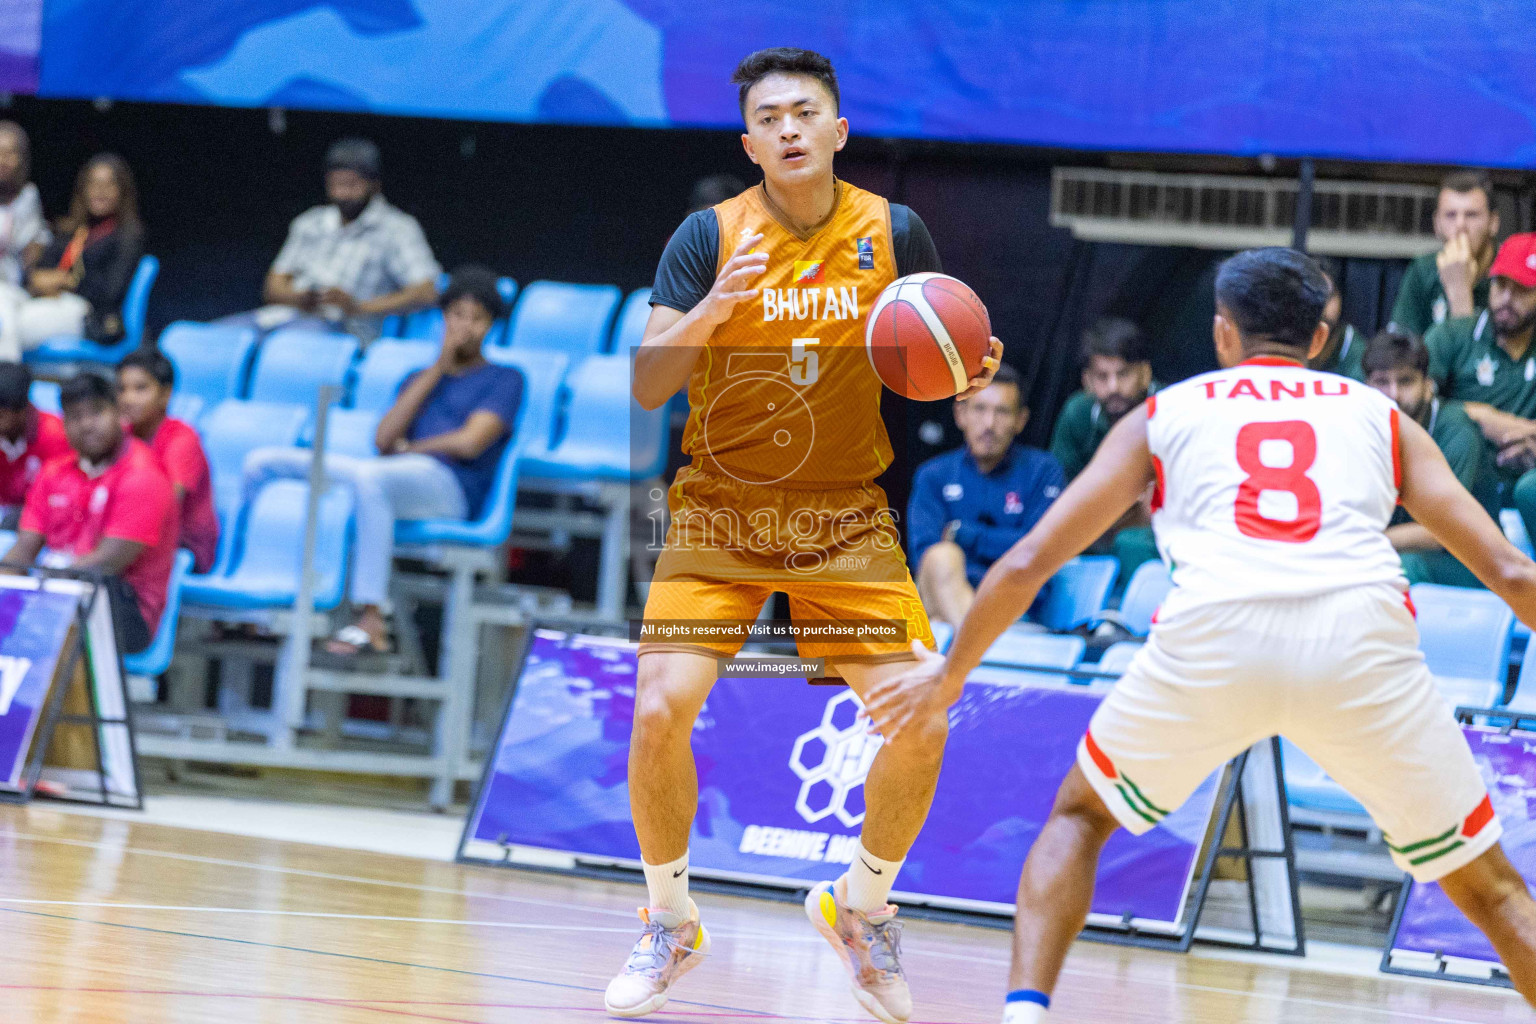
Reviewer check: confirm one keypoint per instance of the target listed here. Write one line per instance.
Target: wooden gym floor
(109, 920)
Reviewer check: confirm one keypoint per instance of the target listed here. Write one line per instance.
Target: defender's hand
(733, 284)
(904, 700)
(989, 365)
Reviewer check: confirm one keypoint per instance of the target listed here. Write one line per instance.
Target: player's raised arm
(1436, 500)
(673, 339)
(1111, 483)
(1091, 504)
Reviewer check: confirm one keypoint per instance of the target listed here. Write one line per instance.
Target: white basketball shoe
(670, 948)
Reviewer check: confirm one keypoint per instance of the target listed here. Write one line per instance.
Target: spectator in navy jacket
(970, 505)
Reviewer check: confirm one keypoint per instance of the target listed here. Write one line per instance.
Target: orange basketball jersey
(784, 396)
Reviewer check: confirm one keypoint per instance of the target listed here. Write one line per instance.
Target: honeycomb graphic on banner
(831, 762)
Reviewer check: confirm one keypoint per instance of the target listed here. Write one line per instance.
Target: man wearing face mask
(1397, 365)
(356, 259)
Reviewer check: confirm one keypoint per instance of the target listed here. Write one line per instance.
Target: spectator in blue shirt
(441, 442)
(970, 505)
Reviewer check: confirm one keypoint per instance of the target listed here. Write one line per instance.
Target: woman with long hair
(78, 283)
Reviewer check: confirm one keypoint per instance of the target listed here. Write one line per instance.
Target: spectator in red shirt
(145, 381)
(108, 509)
(29, 438)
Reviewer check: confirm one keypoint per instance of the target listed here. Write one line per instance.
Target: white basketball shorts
(1340, 675)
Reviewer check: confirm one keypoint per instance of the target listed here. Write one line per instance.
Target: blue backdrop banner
(21, 40)
(1439, 81)
(781, 784)
(33, 627)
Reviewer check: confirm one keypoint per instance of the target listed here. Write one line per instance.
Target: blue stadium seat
(607, 435)
(1117, 657)
(1307, 786)
(351, 432)
(187, 408)
(231, 430)
(383, 369)
(569, 318)
(1514, 529)
(1149, 585)
(212, 360)
(1075, 595)
(294, 363)
(156, 658)
(268, 552)
(943, 635)
(65, 349)
(1022, 649)
(44, 394)
(1524, 697)
(418, 323)
(1464, 634)
(543, 395)
(629, 329)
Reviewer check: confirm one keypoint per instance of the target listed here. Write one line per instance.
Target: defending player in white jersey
(1272, 488)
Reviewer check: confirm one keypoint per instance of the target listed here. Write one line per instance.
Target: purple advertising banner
(33, 627)
(781, 782)
(1430, 922)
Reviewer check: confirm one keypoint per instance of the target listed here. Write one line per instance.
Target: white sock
(668, 886)
(1025, 1010)
(870, 880)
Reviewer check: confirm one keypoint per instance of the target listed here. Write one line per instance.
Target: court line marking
(375, 1004)
(734, 1010)
(302, 872)
(306, 873)
(527, 925)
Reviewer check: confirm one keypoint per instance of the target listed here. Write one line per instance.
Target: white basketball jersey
(1273, 481)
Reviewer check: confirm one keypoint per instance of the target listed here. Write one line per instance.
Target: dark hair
(1390, 350)
(86, 386)
(1006, 374)
(784, 60)
(1114, 338)
(475, 282)
(128, 194)
(23, 143)
(354, 154)
(1274, 294)
(1469, 180)
(15, 386)
(153, 362)
(714, 190)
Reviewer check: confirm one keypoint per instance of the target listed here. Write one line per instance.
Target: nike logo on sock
(679, 872)
(875, 871)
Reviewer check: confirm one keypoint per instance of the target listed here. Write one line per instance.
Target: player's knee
(942, 561)
(661, 715)
(1486, 886)
(928, 737)
(1078, 804)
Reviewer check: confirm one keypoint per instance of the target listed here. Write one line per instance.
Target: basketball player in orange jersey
(759, 308)
(1272, 487)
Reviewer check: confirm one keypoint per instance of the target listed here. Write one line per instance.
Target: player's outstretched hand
(989, 365)
(902, 701)
(734, 284)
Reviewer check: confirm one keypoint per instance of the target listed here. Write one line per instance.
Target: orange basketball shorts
(835, 553)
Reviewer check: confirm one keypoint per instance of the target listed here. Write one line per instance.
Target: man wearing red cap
(1488, 362)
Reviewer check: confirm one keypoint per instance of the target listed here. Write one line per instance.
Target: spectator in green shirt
(1397, 365)
(1452, 281)
(1345, 347)
(1489, 363)
(1117, 377)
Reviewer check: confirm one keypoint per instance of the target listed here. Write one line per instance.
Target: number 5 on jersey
(1291, 479)
(802, 361)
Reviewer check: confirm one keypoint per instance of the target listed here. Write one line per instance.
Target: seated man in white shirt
(353, 261)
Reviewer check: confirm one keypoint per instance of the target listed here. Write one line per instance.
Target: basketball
(927, 336)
